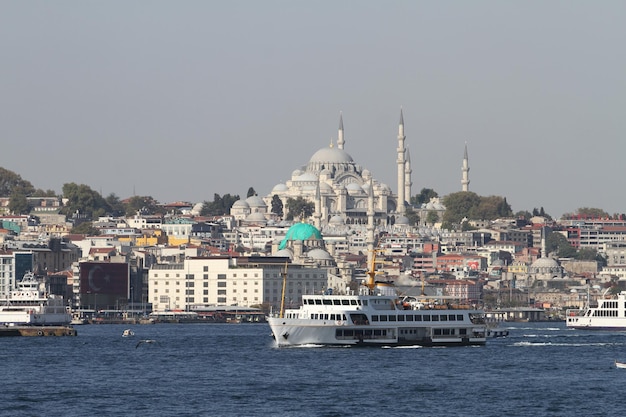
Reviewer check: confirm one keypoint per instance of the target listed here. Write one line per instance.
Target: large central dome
(331, 155)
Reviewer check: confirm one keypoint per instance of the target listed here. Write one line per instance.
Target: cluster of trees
(465, 205)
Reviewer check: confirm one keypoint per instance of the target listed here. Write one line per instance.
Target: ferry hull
(299, 334)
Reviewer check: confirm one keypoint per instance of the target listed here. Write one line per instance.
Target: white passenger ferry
(375, 316)
(609, 314)
(29, 305)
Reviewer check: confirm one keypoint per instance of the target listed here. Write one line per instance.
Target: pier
(37, 331)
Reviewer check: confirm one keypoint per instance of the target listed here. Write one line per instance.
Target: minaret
(340, 140)
(370, 223)
(465, 171)
(317, 216)
(401, 161)
(407, 176)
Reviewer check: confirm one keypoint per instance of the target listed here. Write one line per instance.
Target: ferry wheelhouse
(609, 314)
(376, 316)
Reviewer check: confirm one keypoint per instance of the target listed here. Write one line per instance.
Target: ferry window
(392, 318)
(377, 332)
(344, 318)
(459, 317)
(348, 332)
(353, 302)
(383, 318)
(463, 331)
(435, 317)
(401, 318)
(345, 302)
(318, 301)
(336, 302)
(409, 318)
(325, 316)
(437, 332)
(374, 318)
(426, 317)
(443, 317)
(451, 317)
(327, 302)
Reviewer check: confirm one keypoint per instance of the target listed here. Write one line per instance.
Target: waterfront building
(225, 280)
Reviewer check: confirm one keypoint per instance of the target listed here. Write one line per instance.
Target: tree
(116, 205)
(83, 202)
(592, 212)
(459, 206)
(18, 204)
(432, 217)
(277, 205)
(556, 242)
(145, 205)
(250, 192)
(85, 228)
(469, 205)
(219, 206)
(424, 196)
(299, 207)
(412, 215)
(9, 181)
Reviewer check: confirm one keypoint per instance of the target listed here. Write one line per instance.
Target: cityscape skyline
(180, 101)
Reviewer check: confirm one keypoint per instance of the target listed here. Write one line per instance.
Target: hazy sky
(183, 99)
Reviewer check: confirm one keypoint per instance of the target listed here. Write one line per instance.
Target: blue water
(541, 369)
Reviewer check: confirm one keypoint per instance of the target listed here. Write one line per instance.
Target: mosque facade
(339, 187)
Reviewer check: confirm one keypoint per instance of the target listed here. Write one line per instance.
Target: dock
(37, 331)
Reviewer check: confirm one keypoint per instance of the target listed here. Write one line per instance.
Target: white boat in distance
(610, 314)
(620, 365)
(29, 305)
(375, 317)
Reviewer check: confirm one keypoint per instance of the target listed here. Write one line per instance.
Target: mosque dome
(354, 187)
(256, 218)
(307, 176)
(280, 188)
(402, 221)
(325, 187)
(332, 155)
(284, 253)
(296, 173)
(240, 204)
(545, 264)
(256, 201)
(336, 220)
(319, 255)
(300, 231)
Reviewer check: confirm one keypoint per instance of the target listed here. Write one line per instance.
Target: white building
(224, 281)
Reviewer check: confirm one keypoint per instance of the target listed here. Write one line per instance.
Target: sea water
(540, 369)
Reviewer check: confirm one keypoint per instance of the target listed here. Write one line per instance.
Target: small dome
(332, 155)
(256, 201)
(307, 176)
(284, 253)
(256, 217)
(296, 173)
(319, 254)
(354, 187)
(325, 187)
(336, 220)
(279, 188)
(402, 221)
(300, 231)
(240, 204)
(545, 264)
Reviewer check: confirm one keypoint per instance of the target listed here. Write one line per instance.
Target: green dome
(300, 231)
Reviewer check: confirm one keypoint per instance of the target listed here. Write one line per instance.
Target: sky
(180, 100)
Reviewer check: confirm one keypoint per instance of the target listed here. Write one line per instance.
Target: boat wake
(525, 344)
